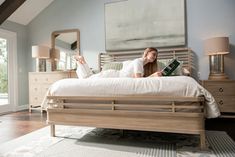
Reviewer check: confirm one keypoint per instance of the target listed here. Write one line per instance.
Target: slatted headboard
(182, 54)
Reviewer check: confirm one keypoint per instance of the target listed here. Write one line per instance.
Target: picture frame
(137, 24)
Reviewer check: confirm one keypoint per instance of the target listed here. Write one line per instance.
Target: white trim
(22, 107)
(12, 70)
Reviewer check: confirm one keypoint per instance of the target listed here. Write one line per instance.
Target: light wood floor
(20, 123)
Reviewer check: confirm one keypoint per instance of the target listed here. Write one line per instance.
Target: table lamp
(216, 48)
(41, 53)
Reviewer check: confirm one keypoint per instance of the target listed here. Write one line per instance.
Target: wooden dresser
(224, 94)
(39, 83)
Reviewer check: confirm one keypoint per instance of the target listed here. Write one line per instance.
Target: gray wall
(205, 19)
(22, 51)
(210, 18)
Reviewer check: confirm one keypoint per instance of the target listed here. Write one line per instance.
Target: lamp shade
(39, 51)
(217, 45)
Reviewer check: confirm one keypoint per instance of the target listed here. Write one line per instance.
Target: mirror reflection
(67, 42)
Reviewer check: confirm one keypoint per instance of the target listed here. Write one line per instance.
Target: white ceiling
(28, 11)
(1, 1)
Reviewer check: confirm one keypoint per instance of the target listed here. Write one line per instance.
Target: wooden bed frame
(133, 112)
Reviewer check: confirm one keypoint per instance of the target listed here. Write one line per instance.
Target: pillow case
(112, 65)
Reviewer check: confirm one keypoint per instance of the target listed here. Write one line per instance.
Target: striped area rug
(221, 144)
(92, 142)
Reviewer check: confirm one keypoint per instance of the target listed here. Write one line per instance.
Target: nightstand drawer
(226, 103)
(221, 89)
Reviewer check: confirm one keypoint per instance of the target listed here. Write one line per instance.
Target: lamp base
(219, 76)
(40, 65)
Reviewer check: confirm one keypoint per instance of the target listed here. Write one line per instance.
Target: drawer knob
(221, 89)
(221, 102)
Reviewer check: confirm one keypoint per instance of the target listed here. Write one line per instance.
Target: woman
(141, 67)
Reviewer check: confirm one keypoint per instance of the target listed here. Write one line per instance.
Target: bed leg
(53, 130)
(203, 140)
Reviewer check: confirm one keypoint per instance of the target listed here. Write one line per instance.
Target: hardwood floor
(20, 123)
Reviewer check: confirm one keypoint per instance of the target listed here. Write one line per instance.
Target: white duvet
(159, 86)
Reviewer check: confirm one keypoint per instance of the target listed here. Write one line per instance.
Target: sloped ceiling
(1, 1)
(28, 11)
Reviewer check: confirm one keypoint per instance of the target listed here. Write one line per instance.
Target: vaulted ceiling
(25, 12)
(8, 7)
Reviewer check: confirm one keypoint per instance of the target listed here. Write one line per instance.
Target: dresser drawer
(226, 103)
(35, 89)
(39, 83)
(34, 99)
(44, 89)
(221, 89)
(35, 79)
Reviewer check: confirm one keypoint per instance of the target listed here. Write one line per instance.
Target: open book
(170, 67)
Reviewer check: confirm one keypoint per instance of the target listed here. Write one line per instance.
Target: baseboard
(17, 108)
(22, 107)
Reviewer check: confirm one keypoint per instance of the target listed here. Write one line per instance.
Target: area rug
(93, 142)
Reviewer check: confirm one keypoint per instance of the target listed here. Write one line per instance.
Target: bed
(127, 106)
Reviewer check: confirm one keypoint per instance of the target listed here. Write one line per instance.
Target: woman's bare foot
(80, 59)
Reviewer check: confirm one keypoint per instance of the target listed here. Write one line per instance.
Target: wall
(210, 18)
(22, 51)
(205, 19)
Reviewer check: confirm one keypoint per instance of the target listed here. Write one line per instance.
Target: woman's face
(151, 56)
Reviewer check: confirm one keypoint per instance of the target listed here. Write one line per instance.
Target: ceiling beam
(74, 45)
(8, 7)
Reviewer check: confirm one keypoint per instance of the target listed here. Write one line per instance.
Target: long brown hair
(150, 67)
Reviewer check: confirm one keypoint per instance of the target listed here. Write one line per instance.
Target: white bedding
(159, 86)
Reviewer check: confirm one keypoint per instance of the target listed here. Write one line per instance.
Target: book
(173, 64)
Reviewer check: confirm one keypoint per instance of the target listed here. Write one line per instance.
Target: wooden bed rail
(147, 113)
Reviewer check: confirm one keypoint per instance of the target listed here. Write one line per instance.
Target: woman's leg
(83, 70)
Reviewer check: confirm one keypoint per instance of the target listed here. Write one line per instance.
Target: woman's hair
(150, 67)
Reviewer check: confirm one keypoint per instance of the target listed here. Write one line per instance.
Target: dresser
(39, 82)
(224, 94)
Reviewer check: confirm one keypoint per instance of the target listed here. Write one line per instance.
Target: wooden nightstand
(224, 94)
(39, 82)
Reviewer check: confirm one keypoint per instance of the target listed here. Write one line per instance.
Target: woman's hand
(156, 74)
(137, 75)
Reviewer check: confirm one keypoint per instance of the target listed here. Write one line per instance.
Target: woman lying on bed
(140, 67)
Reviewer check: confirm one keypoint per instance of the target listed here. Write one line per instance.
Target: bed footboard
(147, 113)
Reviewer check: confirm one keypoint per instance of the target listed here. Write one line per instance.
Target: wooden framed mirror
(64, 45)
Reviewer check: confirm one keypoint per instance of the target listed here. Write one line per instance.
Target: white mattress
(159, 86)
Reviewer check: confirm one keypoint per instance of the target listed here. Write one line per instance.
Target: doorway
(8, 73)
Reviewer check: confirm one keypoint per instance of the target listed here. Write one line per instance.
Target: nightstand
(224, 94)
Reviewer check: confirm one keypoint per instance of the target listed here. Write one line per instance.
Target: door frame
(12, 71)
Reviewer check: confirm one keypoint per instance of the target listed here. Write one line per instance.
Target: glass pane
(62, 61)
(3, 72)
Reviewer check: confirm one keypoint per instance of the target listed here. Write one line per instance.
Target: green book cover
(167, 71)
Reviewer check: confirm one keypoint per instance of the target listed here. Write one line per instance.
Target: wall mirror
(64, 45)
